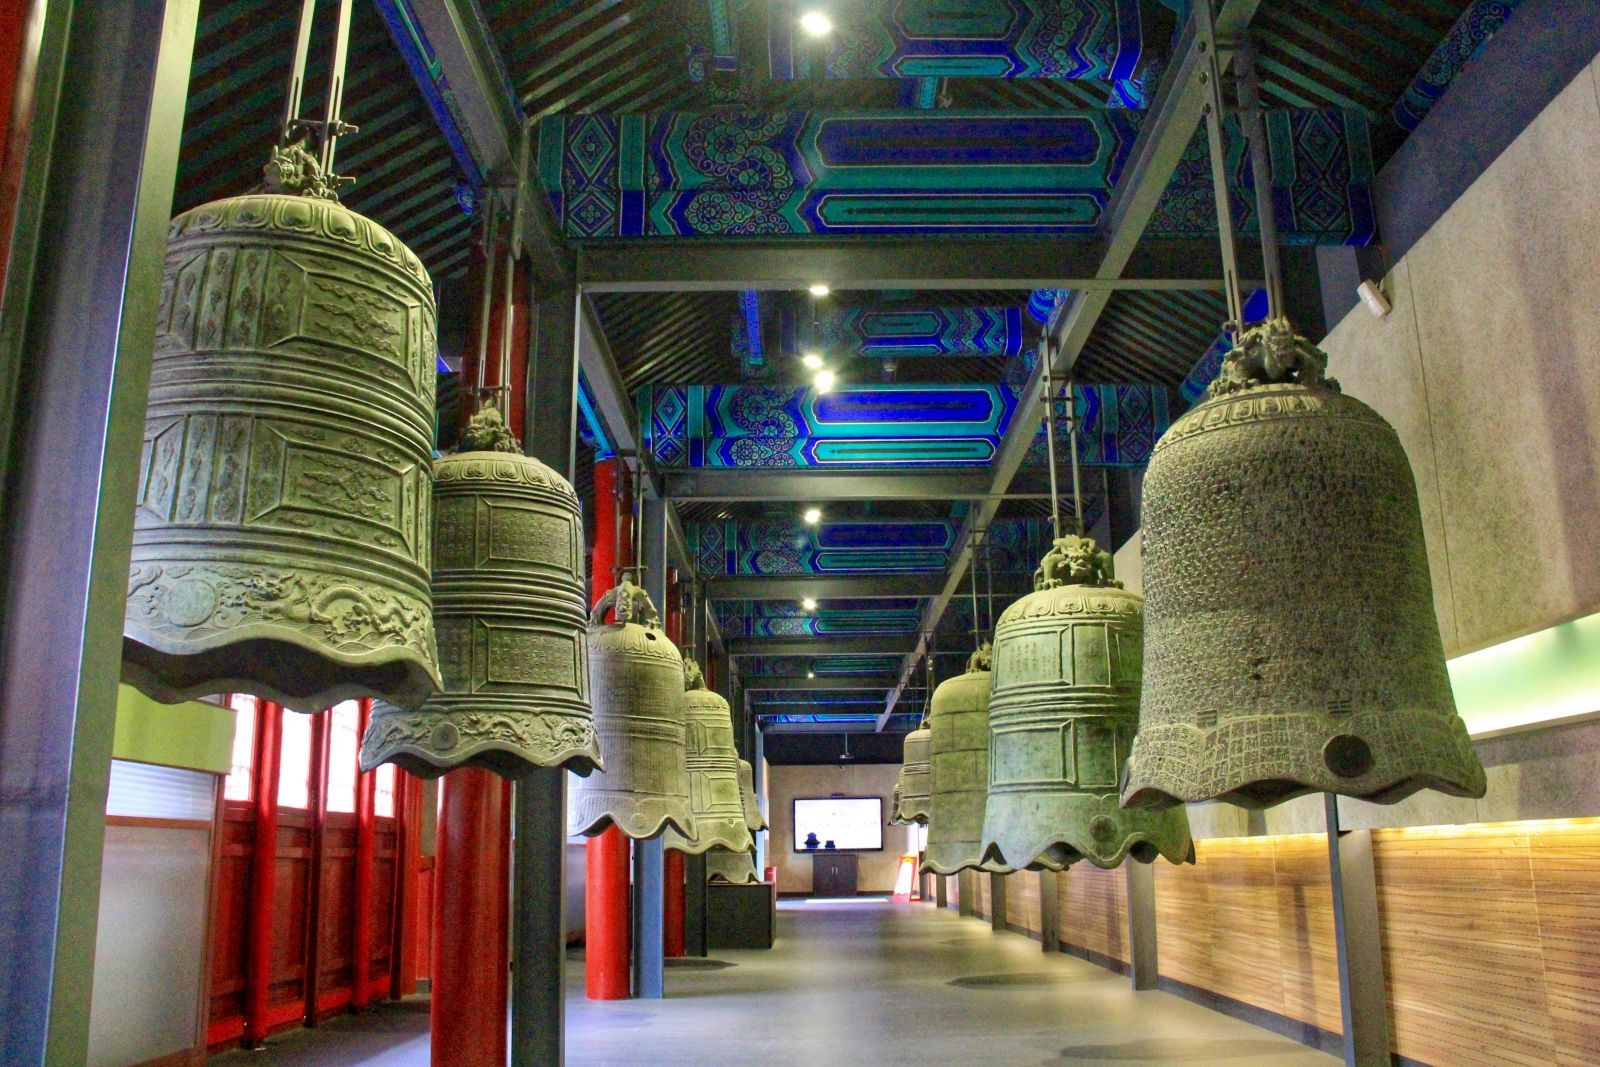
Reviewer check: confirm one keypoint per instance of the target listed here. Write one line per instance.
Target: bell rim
(639, 826)
(700, 844)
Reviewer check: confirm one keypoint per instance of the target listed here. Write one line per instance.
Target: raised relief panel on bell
(281, 535)
(1060, 738)
(636, 676)
(1291, 640)
(508, 597)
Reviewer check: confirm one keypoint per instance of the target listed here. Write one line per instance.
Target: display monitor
(851, 823)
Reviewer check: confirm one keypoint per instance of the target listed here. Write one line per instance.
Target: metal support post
(649, 863)
(1050, 910)
(694, 905)
(1143, 960)
(967, 888)
(1363, 995)
(109, 84)
(997, 902)
(941, 895)
(538, 1017)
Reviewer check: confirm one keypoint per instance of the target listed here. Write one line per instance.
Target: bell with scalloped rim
(716, 796)
(508, 601)
(747, 789)
(958, 752)
(736, 867)
(1061, 718)
(915, 777)
(636, 685)
(1290, 637)
(280, 540)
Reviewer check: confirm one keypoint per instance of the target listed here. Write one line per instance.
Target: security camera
(1373, 297)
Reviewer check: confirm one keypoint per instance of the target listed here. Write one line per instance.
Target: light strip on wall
(1545, 677)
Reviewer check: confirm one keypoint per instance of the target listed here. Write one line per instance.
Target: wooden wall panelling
(1307, 952)
(336, 913)
(1094, 910)
(1462, 952)
(1022, 901)
(286, 992)
(1565, 859)
(1243, 894)
(230, 924)
(383, 923)
(1184, 925)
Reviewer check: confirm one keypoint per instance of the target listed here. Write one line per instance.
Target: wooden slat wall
(1094, 910)
(1022, 901)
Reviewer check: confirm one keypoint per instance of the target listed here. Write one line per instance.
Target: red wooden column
(607, 856)
(263, 872)
(672, 936)
(361, 936)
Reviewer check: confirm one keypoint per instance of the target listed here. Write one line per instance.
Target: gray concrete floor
(850, 984)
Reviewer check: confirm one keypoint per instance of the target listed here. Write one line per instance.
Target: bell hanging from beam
(958, 749)
(636, 685)
(894, 801)
(915, 778)
(281, 534)
(509, 604)
(716, 795)
(1290, 633)
(1061, 718)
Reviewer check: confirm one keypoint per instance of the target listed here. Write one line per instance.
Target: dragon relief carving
(1074, 560)
(1271, 353)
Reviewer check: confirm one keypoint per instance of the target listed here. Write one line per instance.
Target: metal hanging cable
(1072, 447)
(1211, 80)
(1050, 437)
(977, 620)
(480, 385)
(988, 580)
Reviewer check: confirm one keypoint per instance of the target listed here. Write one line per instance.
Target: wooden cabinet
(833, 874)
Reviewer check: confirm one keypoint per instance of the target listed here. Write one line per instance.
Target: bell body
(916, 782)
(508, 602)
(636, 686)
(716, 796)
(1062, 716)
(958, 746)
(736, 867)
(280, 540)
(752, 806)
(1291, 643)
(894, 801)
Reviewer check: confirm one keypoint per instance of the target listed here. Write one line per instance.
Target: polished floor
(855, 983)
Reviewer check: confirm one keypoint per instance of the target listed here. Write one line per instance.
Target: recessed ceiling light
(823, 381)
(811, 674)
(820, 290)
(812, 361)
(813, 516)
(809, 604)
(816, 23)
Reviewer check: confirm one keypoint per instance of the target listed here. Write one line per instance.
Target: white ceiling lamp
(823, 381)
(816, 24)
(809, 604)
(819, 289)
(813, 516)
(812, 361)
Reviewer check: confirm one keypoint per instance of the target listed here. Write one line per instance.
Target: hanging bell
(752, 807)
(636, 678)
(280, 541)
(958, 748)
(915, 778)
(1062, 717)
(894, 801)
(1290, 632)
(736, 867)
(509, 604)
(716, 795)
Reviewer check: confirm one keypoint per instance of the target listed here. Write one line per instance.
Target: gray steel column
(538, 1018)
(694, 905)
(649, 862)
(1050, 910)
(77, 331)
(997, 902)
(1144, 964)
(539, 849)
(1362, 993)
(941, 895)
(967, 887)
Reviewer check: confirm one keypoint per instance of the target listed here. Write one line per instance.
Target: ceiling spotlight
(812, 361)
(809, 604)
(820, 290)
(813, 516)
(816, 23)
(823, 381)
(811, 674)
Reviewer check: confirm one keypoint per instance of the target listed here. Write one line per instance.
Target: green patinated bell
(508, 602)
(1290, 638)
(716, 795)
(736, 867)
(752, 807)
(636, 685)
(280, 540)
(958, 747)
(1062, 717)
(915, 778)
(894, 801)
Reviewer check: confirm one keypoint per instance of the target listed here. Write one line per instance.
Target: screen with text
(846, 822)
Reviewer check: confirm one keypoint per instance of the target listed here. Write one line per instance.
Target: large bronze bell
(636, 682)
(1062, 717)
(916, 777)
(1290, 632)
(280, 540)
(894, 801)
(715, 794)
(508, 601)
(752, 806)
(958, 750)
